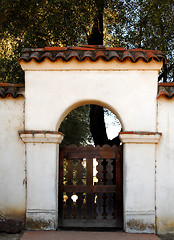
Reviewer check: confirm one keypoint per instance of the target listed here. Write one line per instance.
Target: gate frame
(90, 152)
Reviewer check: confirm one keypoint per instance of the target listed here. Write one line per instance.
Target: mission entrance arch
(58, 79)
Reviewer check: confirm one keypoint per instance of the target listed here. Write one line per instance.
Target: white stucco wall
(165, 167)
(129, 90)
(12, 158)
(130, 94)
(139, 187)
(50, 95)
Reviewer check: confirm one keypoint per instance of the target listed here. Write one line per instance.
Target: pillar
(42, 152)
(139, 155)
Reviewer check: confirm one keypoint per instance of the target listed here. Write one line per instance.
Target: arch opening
(111, 117)
(90, 187)
(88, 196)
(79, 118)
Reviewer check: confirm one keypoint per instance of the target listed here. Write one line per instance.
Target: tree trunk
(98, 128)
(97, 123)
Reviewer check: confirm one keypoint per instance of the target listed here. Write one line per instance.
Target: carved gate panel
(90, 186)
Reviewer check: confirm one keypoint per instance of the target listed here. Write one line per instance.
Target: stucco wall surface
(50, 95)
(165, 167)
(139, 185)
(12, 154)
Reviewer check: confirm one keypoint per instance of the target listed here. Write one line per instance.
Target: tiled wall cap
(96, 53)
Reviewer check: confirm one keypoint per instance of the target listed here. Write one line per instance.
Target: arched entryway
(59, 78)
(90, 181)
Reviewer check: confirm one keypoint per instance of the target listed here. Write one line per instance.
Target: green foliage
(150, 24)
(75, 126)
(9, 54)
(38, 23)
(74, 171)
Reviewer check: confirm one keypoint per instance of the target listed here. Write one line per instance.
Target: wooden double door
(90, 187)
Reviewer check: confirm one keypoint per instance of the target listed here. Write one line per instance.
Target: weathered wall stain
(38, 224)
(165, 226)
(15, 214)
(139, 225)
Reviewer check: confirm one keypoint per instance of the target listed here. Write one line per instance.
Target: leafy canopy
(75, 127)
(38, 23)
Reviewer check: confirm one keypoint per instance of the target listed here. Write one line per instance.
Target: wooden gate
(90, 187)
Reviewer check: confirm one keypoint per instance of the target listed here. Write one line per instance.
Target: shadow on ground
(6, 236)
(166, 237)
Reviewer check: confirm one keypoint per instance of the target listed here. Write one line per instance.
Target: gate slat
(89, 183)
(93, 189)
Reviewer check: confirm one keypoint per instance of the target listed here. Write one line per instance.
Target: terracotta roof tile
(87, 54)
(140, 54)
(11, 90)
(166, 90)
(90, 52)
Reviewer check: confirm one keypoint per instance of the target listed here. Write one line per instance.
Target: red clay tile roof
(90, 52)
(166, 90)
(11, 90)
